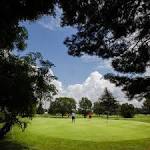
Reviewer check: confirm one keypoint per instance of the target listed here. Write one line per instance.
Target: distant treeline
(105, 105)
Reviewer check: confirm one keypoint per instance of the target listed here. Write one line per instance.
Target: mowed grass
(85, 134)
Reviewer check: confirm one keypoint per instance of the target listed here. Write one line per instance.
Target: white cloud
(105, 64)
(92, 88)
(100, 63)
(87, 58)
(50, 23)
(59, 87)
(147, 73)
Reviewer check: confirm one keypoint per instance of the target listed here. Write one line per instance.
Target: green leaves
(23, 83)
(62, 105)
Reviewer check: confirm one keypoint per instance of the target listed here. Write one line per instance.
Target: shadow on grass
(9, 145)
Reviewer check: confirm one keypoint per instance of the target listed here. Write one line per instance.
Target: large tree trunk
(5, 129)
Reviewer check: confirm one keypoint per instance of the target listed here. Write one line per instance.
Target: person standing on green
(73, 117)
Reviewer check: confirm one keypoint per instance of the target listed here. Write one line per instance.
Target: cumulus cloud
(92, 88)
(59, 87)
(147, 73)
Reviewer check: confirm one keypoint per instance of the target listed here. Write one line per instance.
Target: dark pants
(73, 119)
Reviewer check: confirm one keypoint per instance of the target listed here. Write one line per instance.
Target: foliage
(98, 108)
(40, 109)
(108, 103)
(132, 86)
(62, 105)
(24, 80)
(12, 33)
(127, 110)
(21, 80)
(85, 106)
(116, 29)
(146, 106)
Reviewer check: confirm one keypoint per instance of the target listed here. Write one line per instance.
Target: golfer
(73, 117)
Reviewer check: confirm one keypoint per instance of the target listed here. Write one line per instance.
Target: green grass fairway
(85, 134)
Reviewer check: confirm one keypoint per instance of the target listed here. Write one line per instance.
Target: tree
(40, 109)
(12, 33)
(85, 106)
(138, 110)
(146, 106)
(62, 105)
(22, 79)
(108, 102)
(116, 29)
(103, 32)
(127, 110)
(98, 108)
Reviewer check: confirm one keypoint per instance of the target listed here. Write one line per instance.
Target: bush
(127, 110)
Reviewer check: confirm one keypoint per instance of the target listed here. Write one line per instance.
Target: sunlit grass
(85, 134)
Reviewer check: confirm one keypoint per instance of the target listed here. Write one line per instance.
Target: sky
(77, 77)
(48, 38)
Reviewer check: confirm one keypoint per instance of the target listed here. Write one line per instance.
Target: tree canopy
(127, 110)
(85, 105)
(40, 109)
(108, 103)
(62, 105)
(116, 30)
(22, 79)
(146, 106)
(98, 108)
(12, 33)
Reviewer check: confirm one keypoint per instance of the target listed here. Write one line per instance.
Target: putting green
(96, 130)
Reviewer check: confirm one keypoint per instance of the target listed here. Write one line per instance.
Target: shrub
(127, 110)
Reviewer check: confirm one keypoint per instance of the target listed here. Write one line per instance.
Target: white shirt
(73, 114)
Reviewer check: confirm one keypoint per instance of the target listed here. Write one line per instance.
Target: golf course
(85, 134)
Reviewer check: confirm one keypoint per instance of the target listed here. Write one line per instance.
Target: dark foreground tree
(85, 106)
(108, 103)
(127, 110)
(115, 29)
(21, 79)
(62, 105)
(12, 33)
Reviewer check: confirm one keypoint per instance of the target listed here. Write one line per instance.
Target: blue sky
(46, 36)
